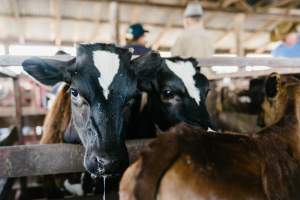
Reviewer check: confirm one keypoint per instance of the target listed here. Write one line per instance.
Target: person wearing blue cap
(135, 38)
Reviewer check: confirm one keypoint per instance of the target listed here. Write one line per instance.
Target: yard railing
(16, 161)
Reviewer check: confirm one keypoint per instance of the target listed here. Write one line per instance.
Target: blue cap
(135, 31)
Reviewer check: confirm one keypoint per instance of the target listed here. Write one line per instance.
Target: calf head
(102, 88)
(178, 92)
(281, 96)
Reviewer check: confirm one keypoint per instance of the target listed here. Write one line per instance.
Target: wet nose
(102, 165)
(109, 166)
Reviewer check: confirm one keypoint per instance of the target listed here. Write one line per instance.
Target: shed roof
(65, 22)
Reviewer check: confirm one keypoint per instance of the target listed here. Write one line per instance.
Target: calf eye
(75, 97)
(74, 92)
(168, 94)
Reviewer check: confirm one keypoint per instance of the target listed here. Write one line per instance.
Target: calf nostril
(96, 160)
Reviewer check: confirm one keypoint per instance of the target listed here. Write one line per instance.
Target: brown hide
(55, 124)
(205, 165)
(57, 118)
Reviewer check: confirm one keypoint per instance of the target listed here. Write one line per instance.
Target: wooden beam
(245, 6)
(157, 41)
(115, 21)
(26, 111)
(96, 22)
(266, 25)
(32, 160)
(265, 46)
(19, 24)
(18, 109)
(223, 36)
(135, 14)
(55, 6)
(239, 31)
(278, 3)
(78, 26)
(228, 31)
(227, 3)
(207, 18)
(184, 2)
(209, 7)
(103, 21)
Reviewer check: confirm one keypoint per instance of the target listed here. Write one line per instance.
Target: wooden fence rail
(9, 60)
(280, 65)
(32, 160)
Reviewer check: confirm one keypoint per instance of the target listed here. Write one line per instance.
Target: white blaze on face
(185, 71)
(107, 64)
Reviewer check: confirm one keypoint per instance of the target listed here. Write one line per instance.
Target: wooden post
(17, 18)
(18, 109)
(55, 6)
(115, 21)
(239, 28)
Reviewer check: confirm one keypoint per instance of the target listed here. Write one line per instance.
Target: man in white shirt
(194, 41)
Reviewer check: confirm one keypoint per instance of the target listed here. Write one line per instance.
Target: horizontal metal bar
(253, 61)
(8, 60)
(32, 160)
(241, 74)
(7, 73)
(280, 65)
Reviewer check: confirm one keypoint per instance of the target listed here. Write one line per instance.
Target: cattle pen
(32, 160)
(90, 89)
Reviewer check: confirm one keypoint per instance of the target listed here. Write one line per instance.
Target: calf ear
(272, 85)
(146, 69)
(47, 71)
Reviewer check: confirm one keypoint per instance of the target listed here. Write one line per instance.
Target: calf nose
(109, 166)
(95, 160)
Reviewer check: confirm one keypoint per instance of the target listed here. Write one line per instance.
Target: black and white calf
(104, 81)
(177, 94)
(103, 88)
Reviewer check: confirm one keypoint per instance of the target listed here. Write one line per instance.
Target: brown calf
(190, 163)
(58, 118)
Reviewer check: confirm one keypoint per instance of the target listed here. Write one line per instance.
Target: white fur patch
(245, 99)
(75, 189)
(108, 65)
(185, 71)
(210, 130)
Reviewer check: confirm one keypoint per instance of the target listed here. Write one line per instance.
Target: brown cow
(190, 163)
